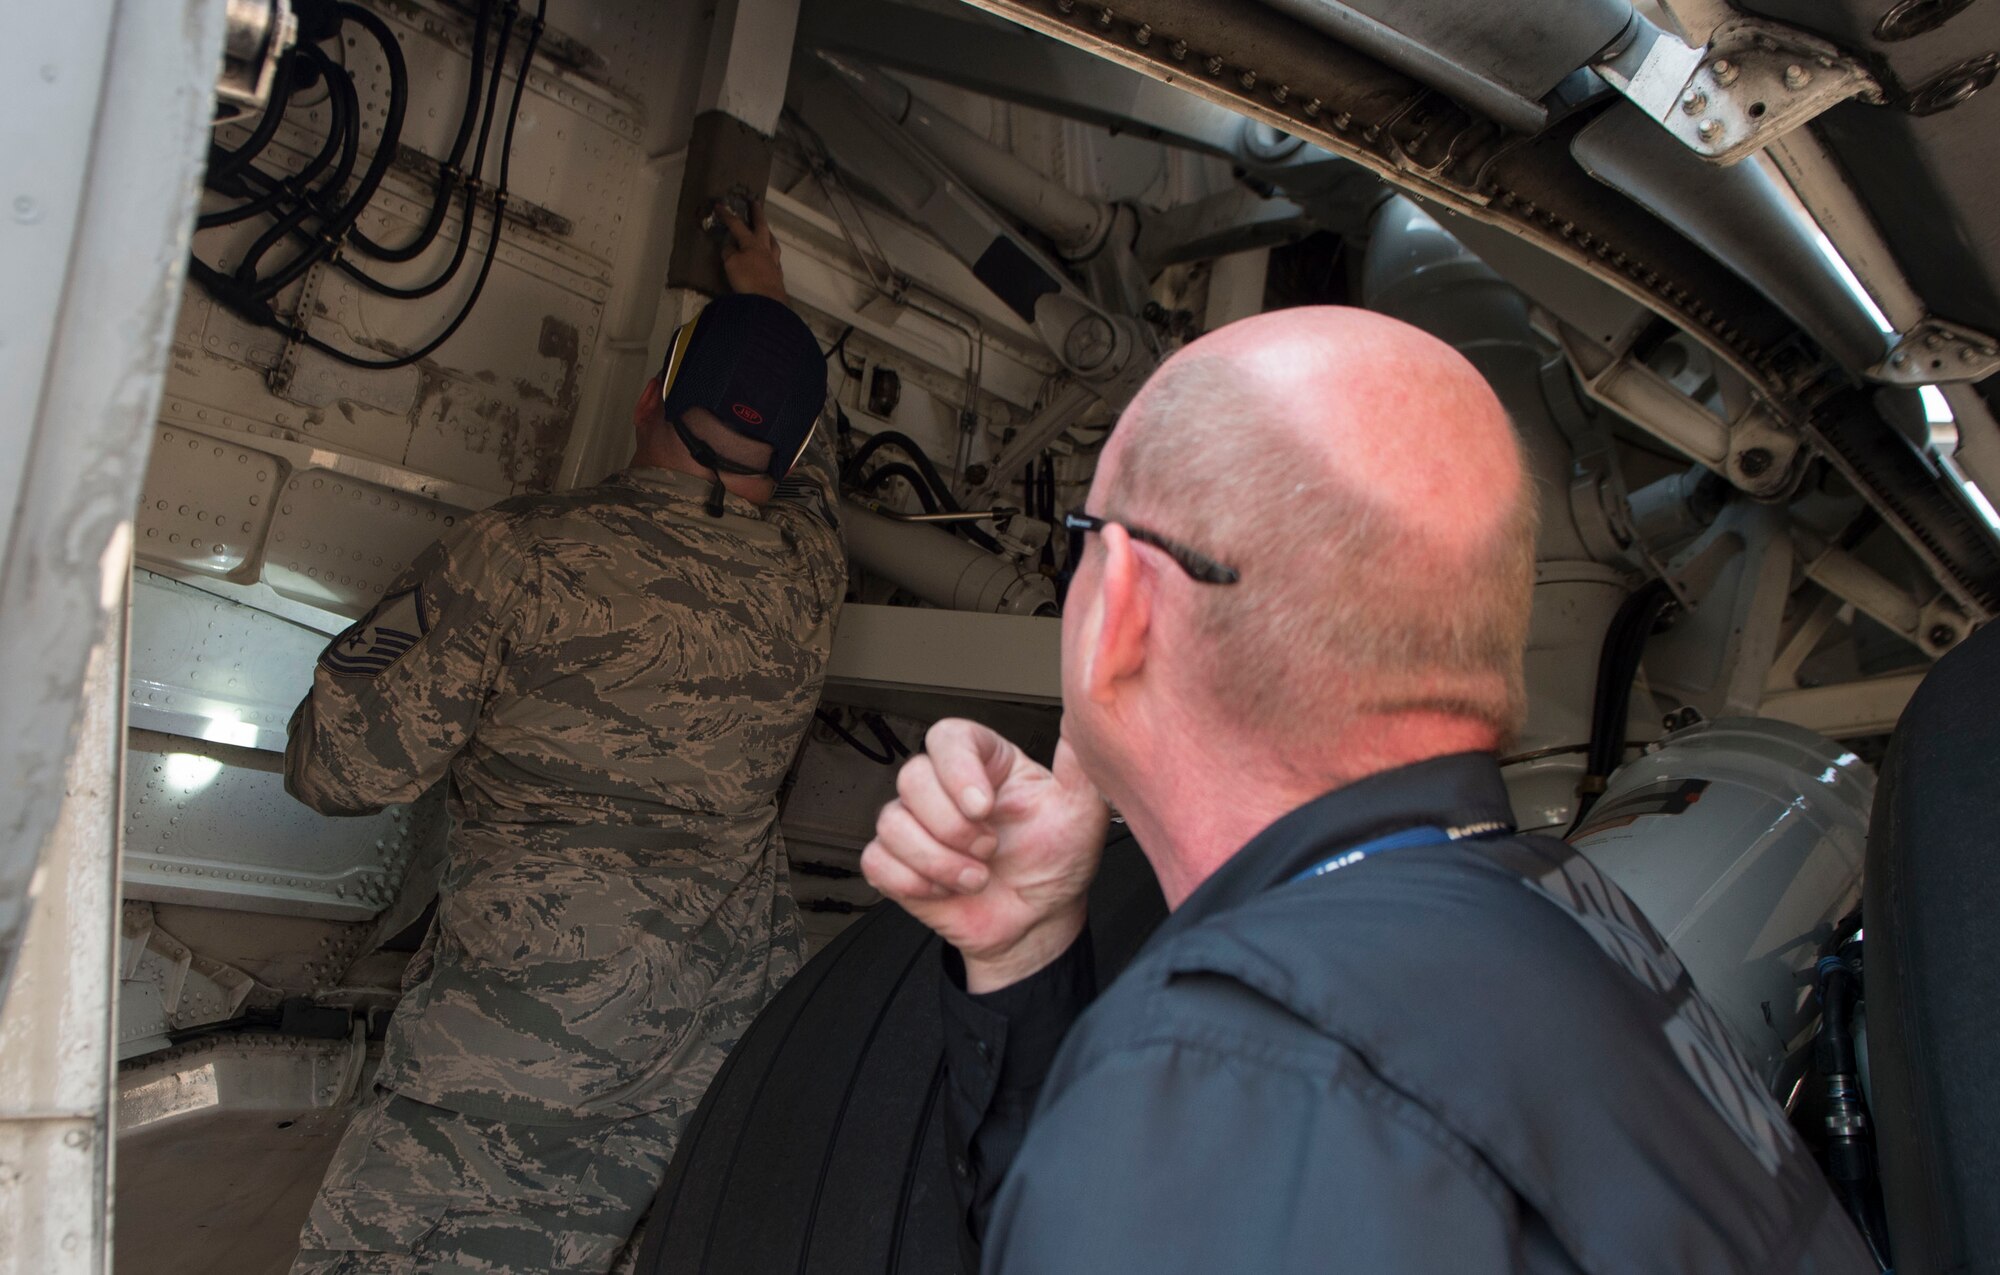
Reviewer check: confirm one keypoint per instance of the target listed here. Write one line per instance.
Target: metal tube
(1077, 225)
(940, 568)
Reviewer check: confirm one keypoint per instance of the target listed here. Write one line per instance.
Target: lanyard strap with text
(1407, 839)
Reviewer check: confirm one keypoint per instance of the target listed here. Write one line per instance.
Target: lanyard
(1408, 838)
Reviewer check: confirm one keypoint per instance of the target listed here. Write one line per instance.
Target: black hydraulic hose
(449, 173)
(907, 445)
(349, 109)
(1850, 1162)
(1617, 666)
(896, 469)
(471, 185)
(886, 757)
(334, 232)
(492, 240)
(224, 164)
(294, 186)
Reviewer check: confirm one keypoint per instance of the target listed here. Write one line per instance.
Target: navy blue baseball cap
(757, 367)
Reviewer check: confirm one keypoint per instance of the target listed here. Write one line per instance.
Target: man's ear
(648, 406)
(1124, 606)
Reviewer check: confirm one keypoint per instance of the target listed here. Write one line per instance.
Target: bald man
(1379, 1030)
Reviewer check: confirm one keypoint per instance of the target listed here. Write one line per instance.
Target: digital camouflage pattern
(417, 1188)
(614, 683)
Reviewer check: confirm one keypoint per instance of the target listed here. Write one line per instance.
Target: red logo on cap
(748, 413)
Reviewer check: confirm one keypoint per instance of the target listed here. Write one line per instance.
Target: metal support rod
(1076, 224)
(940, 568)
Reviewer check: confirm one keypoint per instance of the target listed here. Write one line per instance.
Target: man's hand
(750, 259)
(989, 849)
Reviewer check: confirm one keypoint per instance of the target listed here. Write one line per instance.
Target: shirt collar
(692, 487)
(1457, 791)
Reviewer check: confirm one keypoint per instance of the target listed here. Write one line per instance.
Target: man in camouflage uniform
(614, 680)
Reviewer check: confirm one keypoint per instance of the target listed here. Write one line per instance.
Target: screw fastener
(1797, 77)
(1248, 79)
(1144, 35)
(1694, 101)
(1214, 65)
(1179, 51)
(1104, 19)
(1725, 72)
(1709, 129)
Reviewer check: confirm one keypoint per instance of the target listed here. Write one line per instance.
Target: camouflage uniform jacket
(614, 683)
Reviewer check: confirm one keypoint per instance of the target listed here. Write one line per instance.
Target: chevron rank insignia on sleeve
(377, 640)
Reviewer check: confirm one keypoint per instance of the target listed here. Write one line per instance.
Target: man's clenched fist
(989, 849)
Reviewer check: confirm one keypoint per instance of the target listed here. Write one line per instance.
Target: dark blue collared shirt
(1466, 1057)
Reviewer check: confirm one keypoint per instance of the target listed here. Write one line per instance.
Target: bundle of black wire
(893, 748)
(932, 491)
(323, 216)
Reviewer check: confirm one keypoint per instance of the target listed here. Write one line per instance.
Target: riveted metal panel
(206, 502)
(211, 824)
(210, 669)
(338, 541)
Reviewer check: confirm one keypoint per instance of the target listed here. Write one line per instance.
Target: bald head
(1366, 483)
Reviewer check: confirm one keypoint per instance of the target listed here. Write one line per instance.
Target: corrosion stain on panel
(548, 417)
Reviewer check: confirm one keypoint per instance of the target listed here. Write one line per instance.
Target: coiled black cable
(334, 230)
(296, 185)
(909, 447)
(225, 164)
(471, 185)
(492, 239)
(348, 107)
(449, 173)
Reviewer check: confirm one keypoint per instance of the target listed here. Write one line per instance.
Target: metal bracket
(1935, 352)
(257, 36)
(1753, 83)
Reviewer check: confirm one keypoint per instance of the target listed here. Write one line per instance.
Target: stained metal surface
(492, 412)
(222, 1144)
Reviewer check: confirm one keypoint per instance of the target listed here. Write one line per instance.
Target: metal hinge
(1754, 82)
(1934, 352)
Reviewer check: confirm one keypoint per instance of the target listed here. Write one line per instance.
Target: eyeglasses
(1198, 565)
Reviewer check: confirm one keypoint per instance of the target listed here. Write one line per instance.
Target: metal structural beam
(1111, 353)
(1017, 658)
(1245, 56)
(1846, 710)
(108, 236)
(1752, 83)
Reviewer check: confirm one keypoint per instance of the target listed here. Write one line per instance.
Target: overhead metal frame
(1251, 59)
